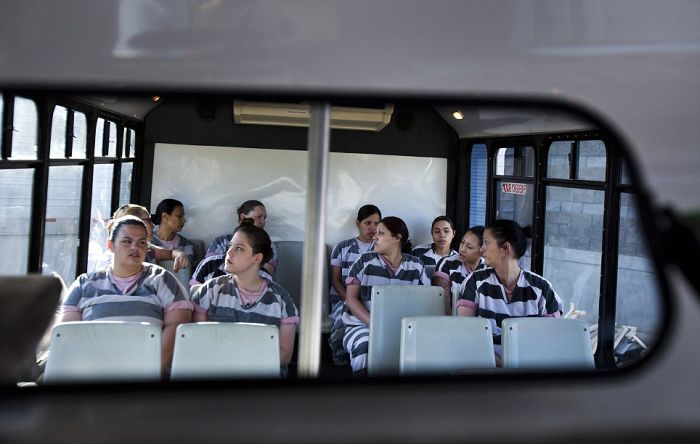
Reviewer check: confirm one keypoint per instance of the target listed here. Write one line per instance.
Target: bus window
(573, 232)
(25, 129)
(58, 133)
(573, 239)
(559, 160)
(639, 308)
(15, 217)
(591, 160)
(477, 185)
(125, 183)
(514, 167)
(100, 211)
(61, 235)
(105, 138)
(79, 135)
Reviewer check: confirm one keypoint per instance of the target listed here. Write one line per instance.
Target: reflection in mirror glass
(457, 301)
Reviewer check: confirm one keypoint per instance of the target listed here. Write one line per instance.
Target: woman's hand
(181, 259)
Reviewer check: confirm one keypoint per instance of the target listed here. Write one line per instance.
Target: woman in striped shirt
(243, 295)
(451, 272)
(130, 289)
(387, 264)
(443, 232)
(345, 254)
(506, 290)
(170, 218)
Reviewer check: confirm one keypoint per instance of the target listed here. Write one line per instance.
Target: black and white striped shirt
(532, 296)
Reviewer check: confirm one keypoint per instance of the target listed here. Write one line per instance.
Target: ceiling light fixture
(458, 115)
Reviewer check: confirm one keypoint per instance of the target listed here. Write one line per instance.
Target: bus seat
(290, 255)
(429, 270)
(546, 343)
(224, 350)
(390, 304)
(289, 275)
(28, 307)
(104, 351)
(445, 344)
(183, 275)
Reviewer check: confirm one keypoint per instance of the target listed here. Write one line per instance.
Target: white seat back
(546, 343)
(90, 351)
(183, 275)
(445, 344)
(225, 350)
(390, 304)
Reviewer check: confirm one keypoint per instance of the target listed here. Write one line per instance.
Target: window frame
(41, 165)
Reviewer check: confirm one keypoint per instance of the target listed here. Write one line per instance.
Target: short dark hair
(398, 227)
(259, 239)
(165, 206)
(366, 211)
(117, 225)
(248, 206)
(506, 230)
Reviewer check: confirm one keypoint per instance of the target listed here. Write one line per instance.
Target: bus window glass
(559, 160)
(15, 219)
(100, 212)
(58, 133)
(624, 174)
(25, 130)
(125, 183)
(79, 135)
(132, 144)
(125, 134)
(112, 141)
(591, 160)
(639, 307)
(62, 221)
(99, 136)
(573, 239)
(477, 187)
(518, 161)
(514, 201)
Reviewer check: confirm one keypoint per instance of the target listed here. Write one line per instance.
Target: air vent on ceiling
(298, 114)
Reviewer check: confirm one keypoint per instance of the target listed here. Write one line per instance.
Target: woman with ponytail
(505, 290)
(170, 219)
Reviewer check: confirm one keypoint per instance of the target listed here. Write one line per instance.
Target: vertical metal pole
(309, 356)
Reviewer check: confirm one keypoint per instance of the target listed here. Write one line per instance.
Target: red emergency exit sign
(513, 188)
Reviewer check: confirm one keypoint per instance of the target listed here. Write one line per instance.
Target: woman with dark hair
(505, 290)
(242, 295)
(451, 272)
(170, 219)
(387, 264)
(345, 254)
(443, 232)
(130, 289)
(250, 209)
